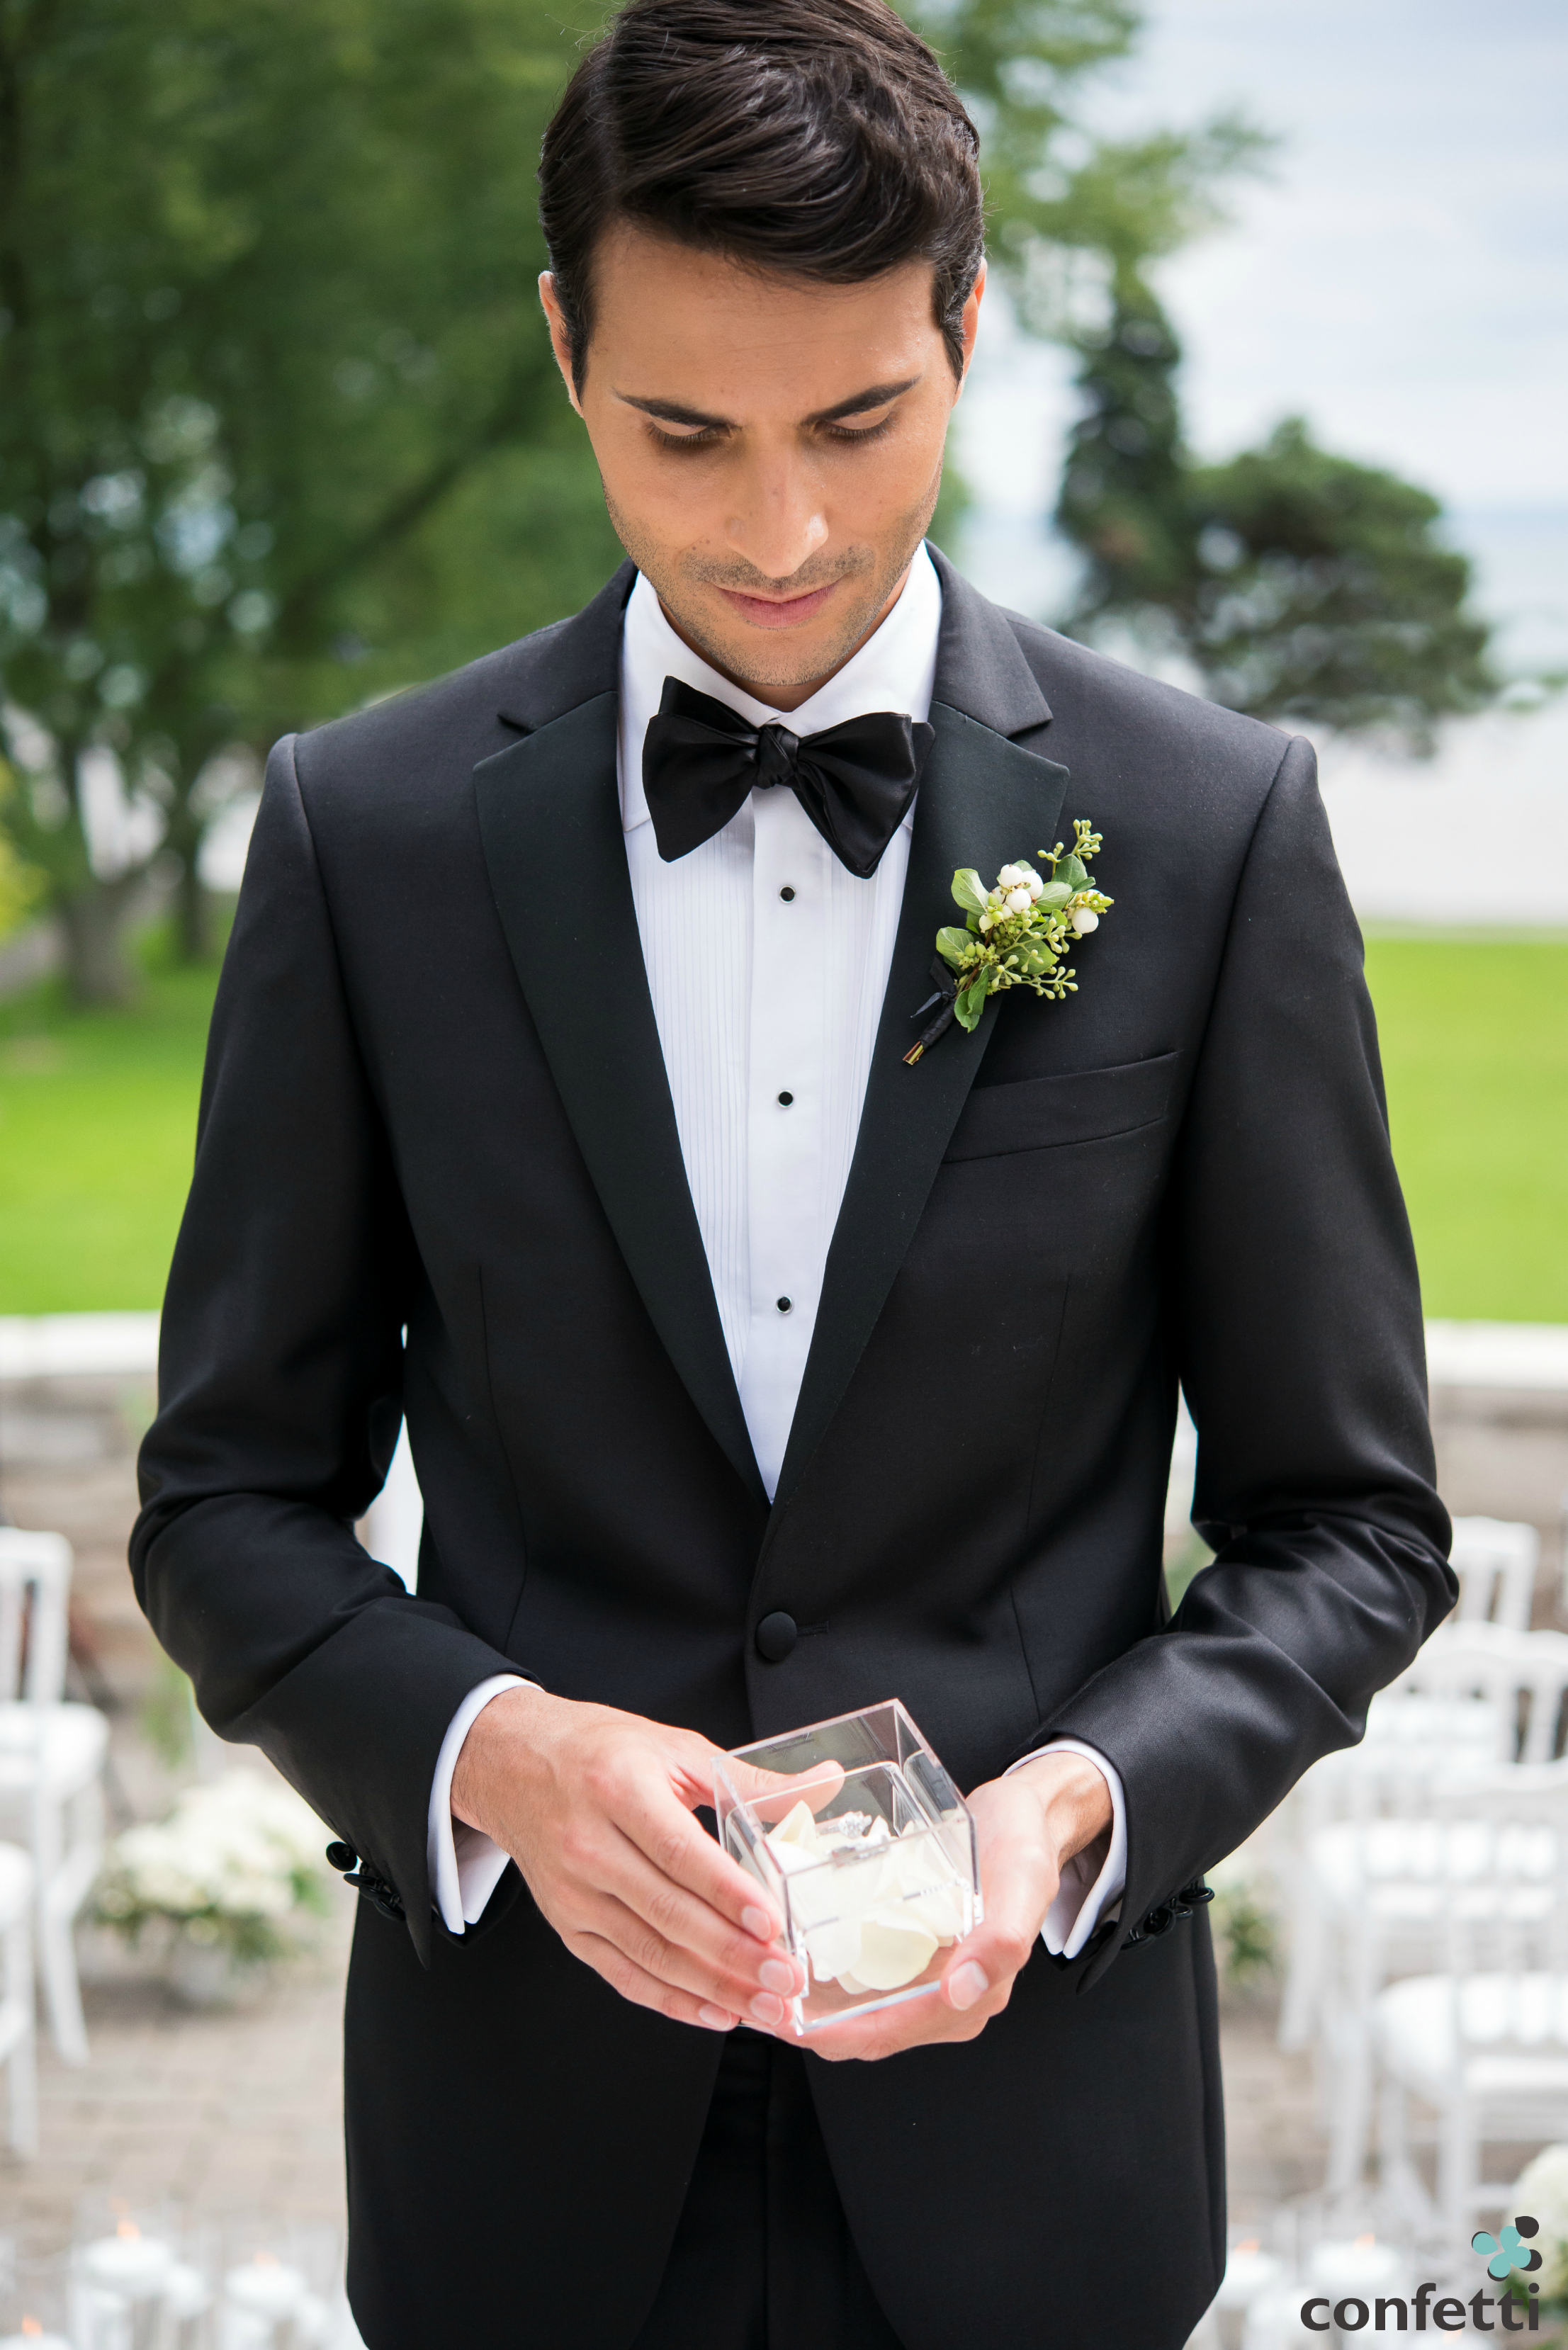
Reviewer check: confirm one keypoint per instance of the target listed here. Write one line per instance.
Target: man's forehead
(679, 306)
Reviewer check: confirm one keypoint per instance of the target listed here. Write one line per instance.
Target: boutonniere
(1016, 935)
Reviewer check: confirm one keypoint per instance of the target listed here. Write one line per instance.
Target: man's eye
(703, 438)
(860, 431)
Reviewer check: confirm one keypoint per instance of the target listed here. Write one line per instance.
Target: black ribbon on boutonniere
(947, 996)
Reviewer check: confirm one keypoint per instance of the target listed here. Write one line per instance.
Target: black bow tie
(700, 758)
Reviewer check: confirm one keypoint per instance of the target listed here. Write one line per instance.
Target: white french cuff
(1081, 1903)
(464, 1865)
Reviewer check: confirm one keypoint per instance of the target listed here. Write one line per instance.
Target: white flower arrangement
(1542, 2191)
(238, 1862)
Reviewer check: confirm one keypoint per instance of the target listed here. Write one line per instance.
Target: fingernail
(758, 1922)
(767, 2009)
(967, 1983)
(717, 2019)
(776, 1974)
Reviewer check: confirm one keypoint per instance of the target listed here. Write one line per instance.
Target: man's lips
(765, 612)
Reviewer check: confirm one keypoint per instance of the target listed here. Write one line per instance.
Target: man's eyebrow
(673, 412)
(876, 395)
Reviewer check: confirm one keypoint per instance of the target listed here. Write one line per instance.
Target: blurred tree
(1304, 586)
(1322, 591)
(1070, 212)
(1124, 494)
(278, 424)
(278, 421)
(21, 883)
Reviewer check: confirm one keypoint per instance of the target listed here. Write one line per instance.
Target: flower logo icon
(1510, 2251)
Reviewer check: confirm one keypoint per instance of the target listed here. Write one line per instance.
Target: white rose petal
(798, 1826)
(834, 1949)
(893, 1949)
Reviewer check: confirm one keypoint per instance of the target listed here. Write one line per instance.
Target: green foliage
(1016, 934)
(1304, 587)
(1324, 593)
(1244, 1918)
(167, 1715)
(279, 426)
(1069, 211)
(279, 429)
(1124, 494)
(21, 883)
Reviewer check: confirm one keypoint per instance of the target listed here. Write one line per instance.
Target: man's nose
(777, 520)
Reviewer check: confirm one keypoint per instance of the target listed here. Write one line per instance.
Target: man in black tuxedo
(558, 1101)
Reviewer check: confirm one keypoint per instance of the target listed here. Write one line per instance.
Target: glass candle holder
(33, 2305)
(865, 1847)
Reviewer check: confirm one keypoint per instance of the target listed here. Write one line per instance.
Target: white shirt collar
(896, 668)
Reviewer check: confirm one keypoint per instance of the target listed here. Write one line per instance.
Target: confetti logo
(1509, 2251)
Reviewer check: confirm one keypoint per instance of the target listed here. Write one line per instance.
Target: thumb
(777, 1791)
(1020, 1889)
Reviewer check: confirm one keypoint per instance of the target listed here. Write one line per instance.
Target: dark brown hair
(816, 136)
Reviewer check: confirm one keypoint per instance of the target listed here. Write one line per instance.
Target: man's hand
(1029, 1825)
(595, 1806)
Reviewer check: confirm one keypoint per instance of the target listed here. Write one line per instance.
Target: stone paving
(227, 2115)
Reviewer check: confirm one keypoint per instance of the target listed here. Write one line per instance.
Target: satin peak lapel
(547, 812)
(984, 801)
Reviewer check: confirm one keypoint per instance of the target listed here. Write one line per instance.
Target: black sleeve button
(776, 1637)
(342, 1857)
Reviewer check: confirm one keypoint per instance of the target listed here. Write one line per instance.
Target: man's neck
(773, 695)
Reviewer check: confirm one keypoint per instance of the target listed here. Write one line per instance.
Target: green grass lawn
(97, 1116)
(1475, 1051)
(97, 1123)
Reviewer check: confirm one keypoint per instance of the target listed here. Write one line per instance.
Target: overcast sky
(1401, 279)
(1404, 275)
(1400, 276)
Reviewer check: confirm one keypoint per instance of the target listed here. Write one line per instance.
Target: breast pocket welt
(1047, 1113)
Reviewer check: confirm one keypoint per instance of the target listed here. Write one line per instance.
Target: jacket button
(342, 1857)
(775, 1636)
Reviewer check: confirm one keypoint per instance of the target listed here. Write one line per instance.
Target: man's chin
(772, 659)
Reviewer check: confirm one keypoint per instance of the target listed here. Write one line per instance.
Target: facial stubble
(765, 664)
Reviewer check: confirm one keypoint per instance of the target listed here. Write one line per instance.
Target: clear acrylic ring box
(866, 1847)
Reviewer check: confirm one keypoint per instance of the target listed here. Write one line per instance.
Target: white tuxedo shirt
(767, 962)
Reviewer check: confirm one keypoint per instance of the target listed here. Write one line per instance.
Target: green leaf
(968, 889)
(1054, 893)
(1073, 872)
(953, 944)
(971, 999)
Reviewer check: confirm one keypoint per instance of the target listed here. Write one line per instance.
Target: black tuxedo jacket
(439, 1175)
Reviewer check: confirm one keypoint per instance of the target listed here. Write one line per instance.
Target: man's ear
(560, 340)
(969, 327)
